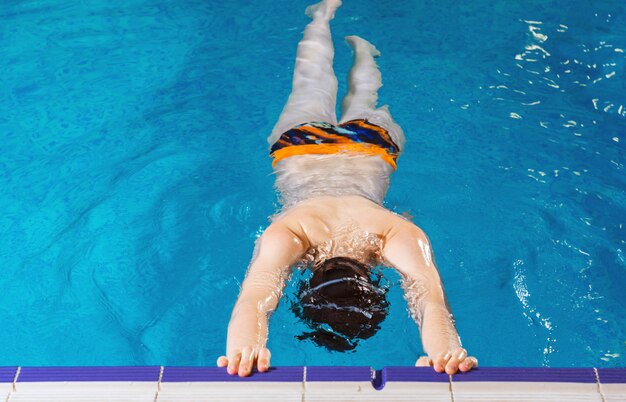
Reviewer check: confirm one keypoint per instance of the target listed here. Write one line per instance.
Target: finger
(457, 357)
(264, 359)
(424, 361)
(222, 361)
(468, 364)
(248, 356)
(233, 363)
(441, 360)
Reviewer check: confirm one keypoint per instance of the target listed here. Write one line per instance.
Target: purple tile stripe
(7, 374)
(295, 374)
(330, 373)
(422, 374)
(581, 375)
(216, 374)
(407, 374)
(612, 375)
(51, 374)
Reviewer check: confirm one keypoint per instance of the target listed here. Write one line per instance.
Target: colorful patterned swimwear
(354, 136)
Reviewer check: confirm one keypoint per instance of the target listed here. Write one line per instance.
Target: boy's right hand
(243, 361)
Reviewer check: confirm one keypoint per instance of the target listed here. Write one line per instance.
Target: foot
(359, 44)
(324, 9)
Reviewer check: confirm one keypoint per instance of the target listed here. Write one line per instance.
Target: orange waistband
(327, 149)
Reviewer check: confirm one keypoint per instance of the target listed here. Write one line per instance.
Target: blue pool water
(134, 177)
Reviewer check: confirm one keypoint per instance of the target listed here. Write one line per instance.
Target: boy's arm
(275, 252)
(408, 250)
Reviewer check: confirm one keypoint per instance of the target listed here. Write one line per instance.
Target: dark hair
(341, 303)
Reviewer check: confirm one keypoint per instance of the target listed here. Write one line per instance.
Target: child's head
(341, 303)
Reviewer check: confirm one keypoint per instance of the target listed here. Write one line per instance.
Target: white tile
(416, 391)
(84, 391)
(317, 391)
(524, 391)
(341, 391)
(5, 388)
(614, 392)
(230, 391)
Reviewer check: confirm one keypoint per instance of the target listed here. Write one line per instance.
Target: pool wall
(159, 383)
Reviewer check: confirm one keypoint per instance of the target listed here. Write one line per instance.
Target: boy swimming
(332, 177)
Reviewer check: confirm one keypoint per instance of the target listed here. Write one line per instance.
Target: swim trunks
(352, 137)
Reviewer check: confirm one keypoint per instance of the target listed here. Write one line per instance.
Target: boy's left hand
(450, 362)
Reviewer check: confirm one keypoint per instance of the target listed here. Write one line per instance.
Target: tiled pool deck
(309, 384)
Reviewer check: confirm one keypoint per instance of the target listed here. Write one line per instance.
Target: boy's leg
(364, 81)
(314, 91)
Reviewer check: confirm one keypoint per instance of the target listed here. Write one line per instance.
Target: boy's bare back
(321, 220)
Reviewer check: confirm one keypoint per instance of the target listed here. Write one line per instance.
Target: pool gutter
(298, 384)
